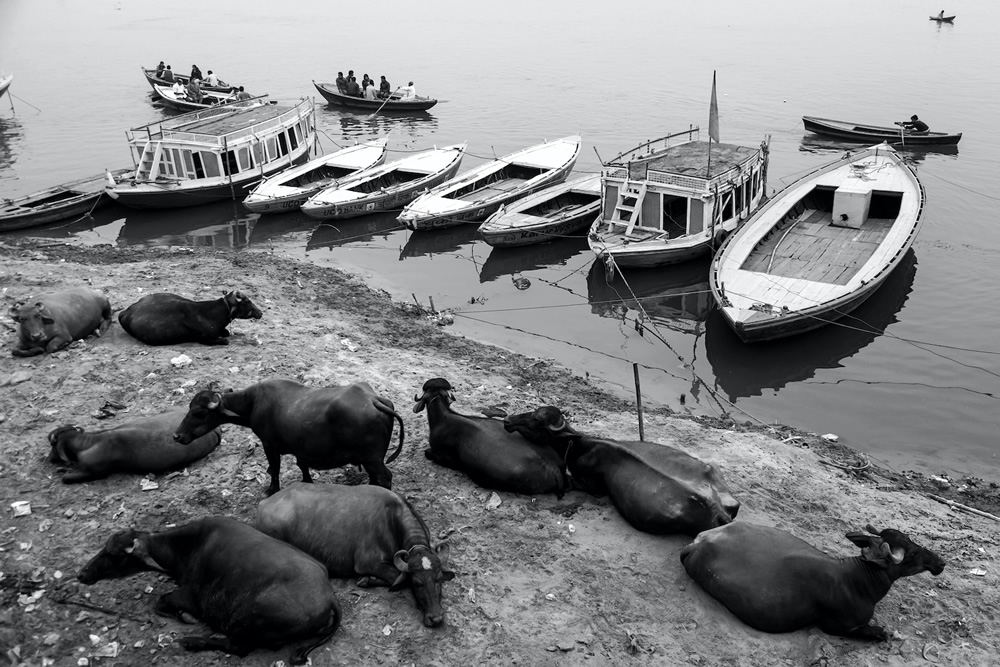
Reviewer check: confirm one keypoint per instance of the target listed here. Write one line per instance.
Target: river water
(912, 380)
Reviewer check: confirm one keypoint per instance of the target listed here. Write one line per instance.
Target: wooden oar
(384, 103)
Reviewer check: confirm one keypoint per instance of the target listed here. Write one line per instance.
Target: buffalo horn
(399, 560)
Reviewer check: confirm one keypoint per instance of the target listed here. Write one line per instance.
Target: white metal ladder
(150, 157)
(629, 202)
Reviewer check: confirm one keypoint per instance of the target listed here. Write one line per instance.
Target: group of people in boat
(192, 91)
(348, 85)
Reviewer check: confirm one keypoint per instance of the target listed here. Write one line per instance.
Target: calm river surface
(923, 394)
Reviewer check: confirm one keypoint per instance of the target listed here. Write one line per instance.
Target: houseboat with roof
(674, 198)
(214, 154)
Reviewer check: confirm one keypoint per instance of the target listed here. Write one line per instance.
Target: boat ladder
(629, 201)
(150, 156)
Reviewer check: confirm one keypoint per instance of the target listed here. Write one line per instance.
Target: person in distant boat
(211, 79)
(371, 93)
(341, 82)
(941, 15)
(167, 74)
(194, 93)
(353, 89)
(160, 68)
(178, 89)
(195, 72)
(243, 95)
(914, 124)
(409, 92)
(384, 89)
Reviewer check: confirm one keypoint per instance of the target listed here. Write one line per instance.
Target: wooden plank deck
(818, 251)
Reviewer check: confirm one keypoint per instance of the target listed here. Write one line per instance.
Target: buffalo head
(123, 555)
(59, 439)
(241, 307)
(434, 388)
(893, 551)
(205, 414)
(33, 320)
(424, 567)
(542, 425)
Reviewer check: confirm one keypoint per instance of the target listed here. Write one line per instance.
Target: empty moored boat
(56, 203)
(289, 189)
(553, 212)
(213, 154)
(667, 202)
(386, 187)
(820, 247)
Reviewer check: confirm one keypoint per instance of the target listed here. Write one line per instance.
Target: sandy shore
(530, 589)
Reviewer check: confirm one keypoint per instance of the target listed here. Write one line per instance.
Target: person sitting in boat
(341, 82)
(409, 92)
(212, 79)
(384, 89)
(365, 80)
(915, 125)
(370, 92)
(195, 72)
(941, 15)
(160, 68)
(178, 89)
(353, 89)
(243, 95)
(167, 74)
(194, 93)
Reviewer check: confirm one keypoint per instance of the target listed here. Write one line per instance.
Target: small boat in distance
(395, 103)
(876, 133)
(289, 189)
(474, 195)
(5, 82)
(216, 153)
(943, 19)
(553, 212)
(56, 203)
(668, 202)
(820, 247)
(155, 81)
(386, 187)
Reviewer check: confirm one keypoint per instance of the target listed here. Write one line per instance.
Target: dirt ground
(540, 581)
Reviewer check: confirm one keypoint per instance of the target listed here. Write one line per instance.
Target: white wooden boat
(667, 202)
(289, 189)
(479, 192)
(820, 247)
(553, 212)
(213, 154)
(5, 82)
(386, 187)
(55, 203)
(210, 98)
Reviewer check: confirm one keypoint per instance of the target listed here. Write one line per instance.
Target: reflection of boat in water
(509, 261)
(280, 225)
(818, 145)
(354, 230)
(679, 292)
(741, 370)
(358, 126)
(222, 224)
(437, 241)
(10, 135)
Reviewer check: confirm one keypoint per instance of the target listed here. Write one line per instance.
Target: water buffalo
(257, 591)
(322, 427)
(141, 446)
(56, 319)
(775, 582)
(656, 488)
(483, 450)
(364, 531)
(170, 319)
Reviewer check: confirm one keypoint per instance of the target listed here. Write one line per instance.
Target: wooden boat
(553, 212)
(479, 192)
(5, 82)
(289, 189)
(820, 247)
(216, 153)
(667, 202)
(168, 98)
(389, 186)
(56, 203)
(155, 81)
(876, 133)
(943, 19)
(395, 103)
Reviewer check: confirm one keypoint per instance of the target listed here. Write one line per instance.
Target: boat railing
(143, 134)
(656, 145)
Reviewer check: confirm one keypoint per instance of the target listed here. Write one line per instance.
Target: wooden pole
(638, 401)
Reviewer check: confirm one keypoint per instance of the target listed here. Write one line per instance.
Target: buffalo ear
(443, 550)
(447, 575)
(215, 402)
(136, 546)
(897, 555)
(15, 312)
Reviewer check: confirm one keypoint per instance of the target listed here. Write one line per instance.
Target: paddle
(384, 103)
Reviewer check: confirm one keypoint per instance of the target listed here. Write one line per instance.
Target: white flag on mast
(713, 114)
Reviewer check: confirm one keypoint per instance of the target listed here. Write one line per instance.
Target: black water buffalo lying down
(657, 488)
(56, 319)
(169, 319)
(322, 427)
(364, 531)
(141, 446)
(483, 450)
(775, 582)
(257, 591)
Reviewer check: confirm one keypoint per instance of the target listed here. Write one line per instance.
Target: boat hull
(540, 233)
(639, 257)
(871, 134)
(553, 212)
(55, 203)
(5, 84)
(333, 96)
